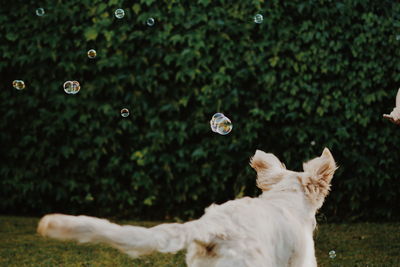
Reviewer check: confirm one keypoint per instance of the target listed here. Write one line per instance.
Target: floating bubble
(224, 126)
(76, 87)
(91, 53)
(124, 112)
(119, 13)
(220, 124)
(18, 84)
(332, 254)
(68, 87)
(150, 22)
(71, 87)
(40, 12)
(313, 143)
(213, 123)
(258, 18)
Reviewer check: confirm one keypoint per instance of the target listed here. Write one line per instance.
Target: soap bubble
(75, 87)
(213, 123)
(313, 143)
(332, 254)
(40, 12)
(224, 126)
(220, 124)
(124, 112)
(71, 87)
(150, 22)
(92, 53)
(119, 13)
(18, 84)
(258, 18)
(68, 87)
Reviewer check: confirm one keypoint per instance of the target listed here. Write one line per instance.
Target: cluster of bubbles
(124, 112)
(220, 124)
(120, 13)
(332, 254)
(72, 87)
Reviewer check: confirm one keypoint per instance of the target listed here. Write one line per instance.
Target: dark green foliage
(316, 70)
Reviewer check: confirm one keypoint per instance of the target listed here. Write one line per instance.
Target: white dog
(273, 230)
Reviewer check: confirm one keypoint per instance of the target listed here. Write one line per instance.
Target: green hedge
(314, 71)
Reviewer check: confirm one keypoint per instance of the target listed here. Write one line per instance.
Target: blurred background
(311, 74)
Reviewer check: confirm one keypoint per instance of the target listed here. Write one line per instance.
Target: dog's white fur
(275, 229)
(394, 116)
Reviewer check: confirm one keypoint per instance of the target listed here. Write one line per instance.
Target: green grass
(363, 244)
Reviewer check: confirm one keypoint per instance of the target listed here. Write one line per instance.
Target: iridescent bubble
(72, 87)
(220, 124)
(224, 126)
(18, 84)
(124, 112)
(332, 254)
(119, 13)
(92, 53)
(213, 123)
(76, 87)
(258, 18)
(40, 12)
(150, 22)
(68, 87)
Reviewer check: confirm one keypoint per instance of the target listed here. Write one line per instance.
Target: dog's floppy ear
(318, 176)
(265, 161)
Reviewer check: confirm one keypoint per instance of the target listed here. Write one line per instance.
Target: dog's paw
(391, 118)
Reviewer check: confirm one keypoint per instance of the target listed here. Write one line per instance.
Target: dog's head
(314, 182)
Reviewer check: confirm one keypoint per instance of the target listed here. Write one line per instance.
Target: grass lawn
(362, 244)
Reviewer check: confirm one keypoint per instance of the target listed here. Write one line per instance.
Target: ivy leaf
(90, 33)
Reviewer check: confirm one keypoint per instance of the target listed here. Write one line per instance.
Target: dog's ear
(268, 168)
(318, 175)
(265, 161)
(322, 167)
